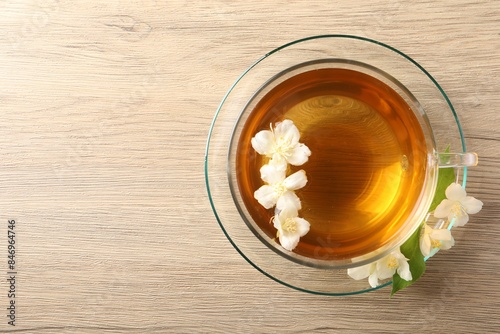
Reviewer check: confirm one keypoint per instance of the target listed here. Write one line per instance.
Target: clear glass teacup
(262, 98)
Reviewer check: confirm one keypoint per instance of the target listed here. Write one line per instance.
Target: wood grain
(105, 108)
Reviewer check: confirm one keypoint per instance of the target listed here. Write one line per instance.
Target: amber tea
(367, 166)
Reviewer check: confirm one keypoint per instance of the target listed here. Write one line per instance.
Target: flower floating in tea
(290, 228)
(282, 146)
(432, 239)
(457, 205)
(383, 269)
(279, 190)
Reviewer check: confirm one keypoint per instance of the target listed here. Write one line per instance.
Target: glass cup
(443, 142)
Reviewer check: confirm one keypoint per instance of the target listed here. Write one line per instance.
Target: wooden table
(106, 106)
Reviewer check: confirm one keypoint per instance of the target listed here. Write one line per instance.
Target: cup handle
(449, 160)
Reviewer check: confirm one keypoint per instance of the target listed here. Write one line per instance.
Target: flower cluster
(457, 205)
(282, 146)
(383, 269)
(455, 208)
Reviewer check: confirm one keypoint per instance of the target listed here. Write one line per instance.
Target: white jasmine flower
(279, 190)
(290, 228)
(383, 269)
(435, 238)
(368, 270)
(282, 144)
(458, 205)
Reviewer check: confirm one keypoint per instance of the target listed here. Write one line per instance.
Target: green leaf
(446, 176)
(411, 250)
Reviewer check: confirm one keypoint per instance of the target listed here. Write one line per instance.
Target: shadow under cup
(372, 172)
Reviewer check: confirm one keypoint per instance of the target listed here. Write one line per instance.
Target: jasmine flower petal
(459, 220)
(266, 196)
(289, 242)
(472, 205)
(404, 270)
(443, 209)
(289, 200)
(442, 234)
(299, 155)
(295, 181)
(272, 173)
(425, 245)
(447, 244)
(361, 272)
(287, 132)
(455, 192)
(263, 142)
(373, 280)
(303, 226)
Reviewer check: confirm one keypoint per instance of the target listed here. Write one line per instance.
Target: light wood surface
(105, 109)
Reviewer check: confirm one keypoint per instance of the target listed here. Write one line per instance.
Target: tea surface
(367, 166)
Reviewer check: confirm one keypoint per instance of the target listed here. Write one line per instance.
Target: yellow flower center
(279, 189)
(282, 147)
(392, 263)
(436, 243)
(290, 225)
(458, 210)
